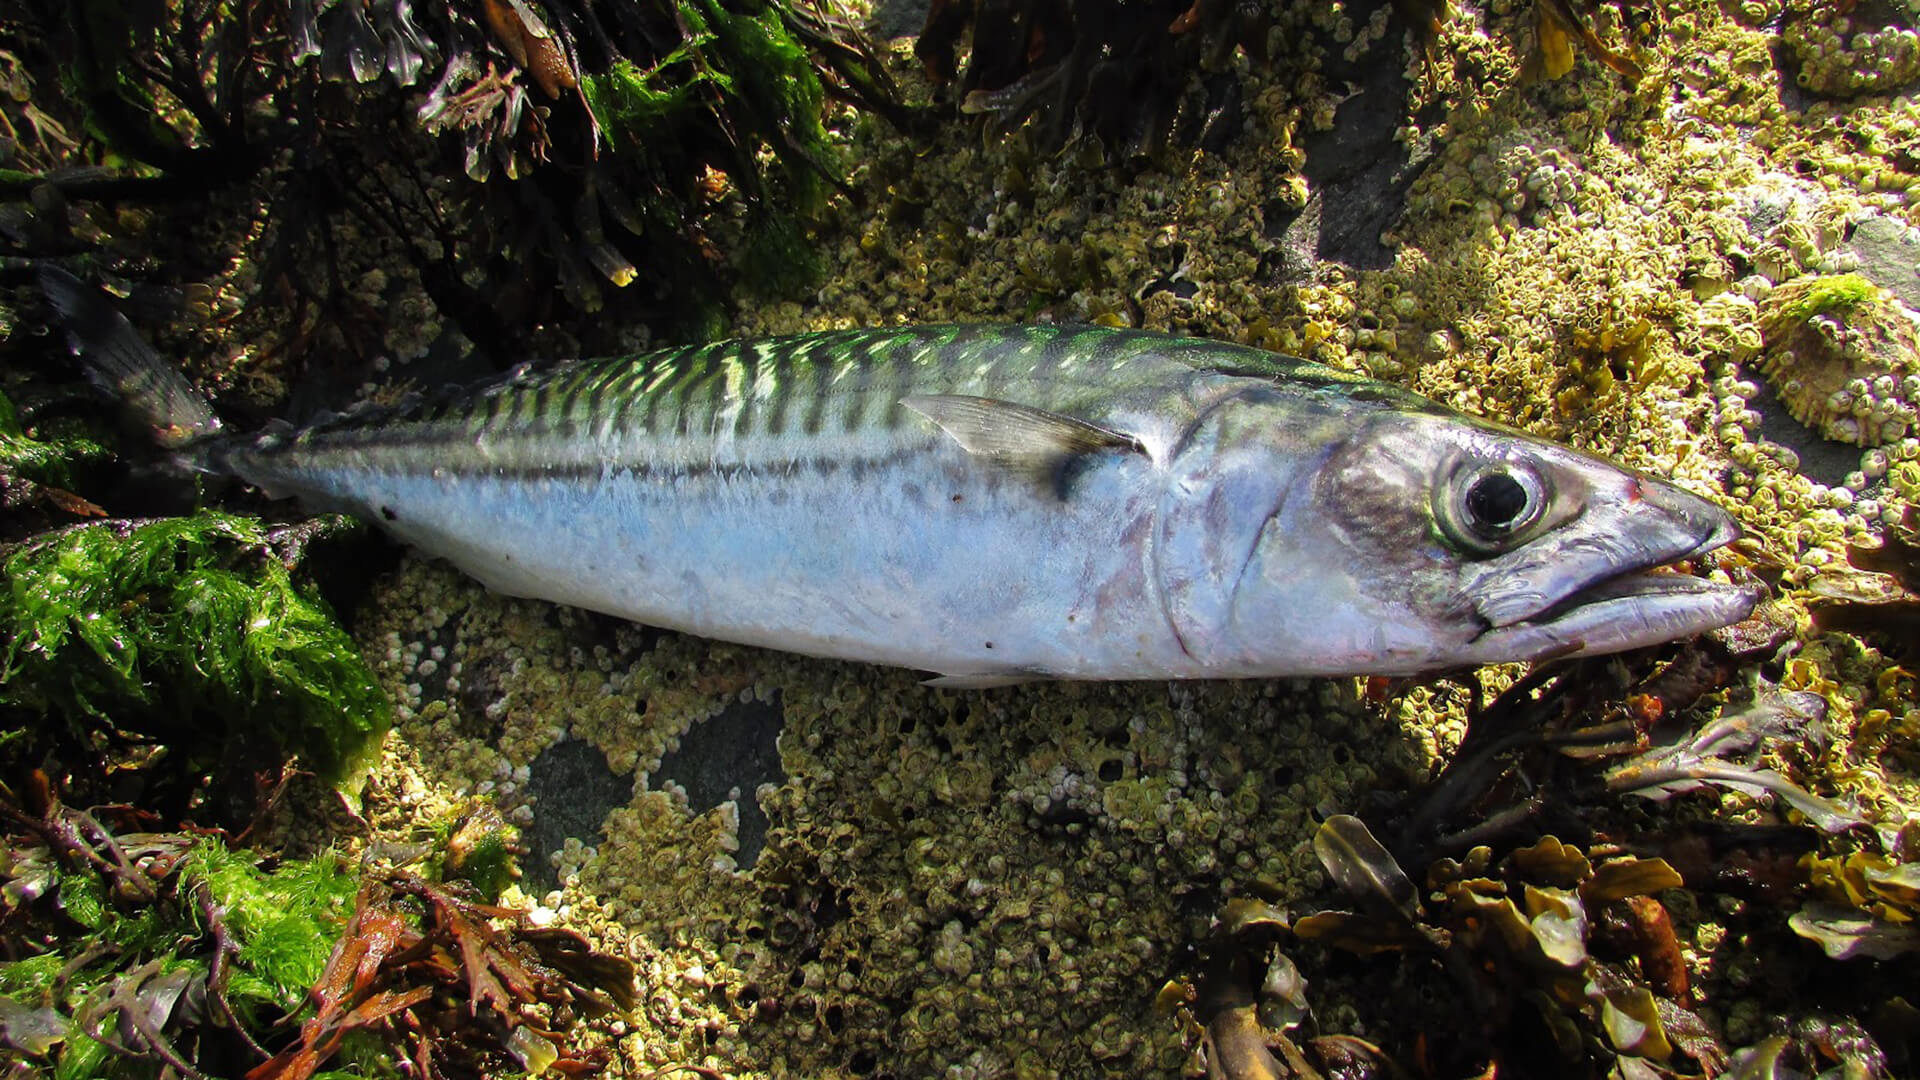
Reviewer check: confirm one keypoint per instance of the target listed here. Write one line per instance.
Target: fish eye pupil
(1496, 501)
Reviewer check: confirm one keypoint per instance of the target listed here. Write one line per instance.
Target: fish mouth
(1643, 603)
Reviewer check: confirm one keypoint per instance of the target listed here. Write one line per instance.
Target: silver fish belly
(995, 503)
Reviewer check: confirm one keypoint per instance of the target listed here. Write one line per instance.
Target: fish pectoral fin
(1018, 436)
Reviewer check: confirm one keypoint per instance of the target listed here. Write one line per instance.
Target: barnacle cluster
(1844, 51)
(1593, 263)
(1529, 172)
(1044, 844)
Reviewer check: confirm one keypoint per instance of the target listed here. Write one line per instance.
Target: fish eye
(1489, 506)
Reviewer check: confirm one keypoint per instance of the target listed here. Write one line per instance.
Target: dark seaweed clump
(514, 149)
(1137, 77)
(1133, 77)
(1533, 888)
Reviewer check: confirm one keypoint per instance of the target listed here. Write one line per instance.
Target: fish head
(1399, 540)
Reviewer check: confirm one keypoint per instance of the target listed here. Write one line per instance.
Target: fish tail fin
(123, 365)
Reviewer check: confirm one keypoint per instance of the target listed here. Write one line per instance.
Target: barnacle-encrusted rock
(1015, 867)
(1844, 356)
(1846, 55)
(1530, 172)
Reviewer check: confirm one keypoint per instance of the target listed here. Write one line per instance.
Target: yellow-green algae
(277, 927)
(42, 457)
(963, 883)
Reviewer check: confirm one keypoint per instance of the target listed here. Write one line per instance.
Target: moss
(30, 976)
(80, 1059)
(285, 921)
(178, 623)
(282, 925)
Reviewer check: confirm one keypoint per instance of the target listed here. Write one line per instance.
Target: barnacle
(1847, 50)
(1880, 595)
(817, 960)
(967, 800)
(1844, 356)
(1531, 172)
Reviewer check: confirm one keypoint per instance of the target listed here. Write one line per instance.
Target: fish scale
(998, 503)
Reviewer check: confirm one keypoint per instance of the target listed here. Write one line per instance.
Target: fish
(997, 503)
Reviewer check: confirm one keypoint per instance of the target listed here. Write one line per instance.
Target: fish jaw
(1630, 611)
(1599, 591)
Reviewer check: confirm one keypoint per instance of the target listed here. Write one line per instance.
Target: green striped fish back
(829, 394)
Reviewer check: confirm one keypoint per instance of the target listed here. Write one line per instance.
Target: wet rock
(575, 790)
(726, 759)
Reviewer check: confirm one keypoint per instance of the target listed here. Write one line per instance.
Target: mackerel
(999, 503)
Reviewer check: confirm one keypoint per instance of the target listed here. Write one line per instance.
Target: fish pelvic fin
(982, 681)
(125, 367)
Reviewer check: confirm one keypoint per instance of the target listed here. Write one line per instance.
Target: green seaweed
(481, 849)
(775, 84)
(184, 625)
(285, 920)
(1829, 293)
(747, 75)
(144, 934)
(634, 105)
(43, 460)
(80, 1058)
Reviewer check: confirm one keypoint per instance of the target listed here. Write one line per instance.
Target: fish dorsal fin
(1018, 436)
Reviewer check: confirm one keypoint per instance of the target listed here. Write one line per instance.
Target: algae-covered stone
(1844, 356)
(142, 625)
